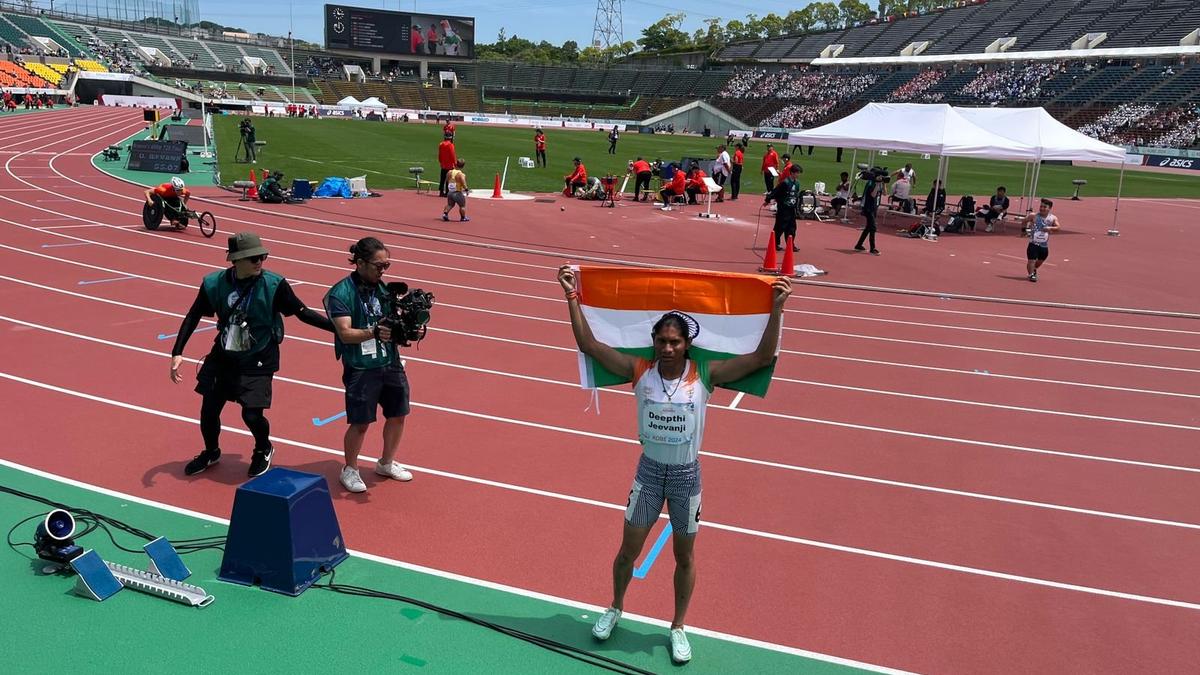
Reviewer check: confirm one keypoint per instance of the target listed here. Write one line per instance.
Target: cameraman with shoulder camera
(870, 203)
(246, 128)
(372, 372)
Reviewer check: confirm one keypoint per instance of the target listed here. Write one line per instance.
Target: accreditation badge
(668, 423)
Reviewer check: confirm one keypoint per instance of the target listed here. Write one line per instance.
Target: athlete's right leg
(633, 539)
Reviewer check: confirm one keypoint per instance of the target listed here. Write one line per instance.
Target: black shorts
(1035, 252)
(366, 390)
(219, 377)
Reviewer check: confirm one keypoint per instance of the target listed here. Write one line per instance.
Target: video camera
(245, 126)
(409, 319)
(877, 174)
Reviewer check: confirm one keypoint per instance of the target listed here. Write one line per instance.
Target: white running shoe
(352, 480)
(606, 623)
(393, 470)
(681, 651)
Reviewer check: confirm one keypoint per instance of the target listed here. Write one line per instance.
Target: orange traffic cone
(496, 190)
(789, 259)
(769, 263)
(252, 193)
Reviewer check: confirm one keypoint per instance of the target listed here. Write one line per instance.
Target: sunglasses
(257, 258)
(381, 266)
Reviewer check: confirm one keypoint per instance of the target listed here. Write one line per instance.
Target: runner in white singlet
(672, 394)
(1039, 226)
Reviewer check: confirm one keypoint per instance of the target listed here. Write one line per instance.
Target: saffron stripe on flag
(664, 290)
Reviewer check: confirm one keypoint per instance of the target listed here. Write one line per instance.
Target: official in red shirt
(539, 147)
(735, 179)
(416, 38)
(676, 187)
(578, 178)
(770, 161)
(695, 184)
(448, 129)
(783, 173)
(446, 159)
(642, 174)
(431, 40)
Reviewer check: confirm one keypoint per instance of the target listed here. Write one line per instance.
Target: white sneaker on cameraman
(393, 470)
(606, 623)
(352, 480)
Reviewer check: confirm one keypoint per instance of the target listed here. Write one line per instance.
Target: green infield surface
(384, 151)
(250, 630)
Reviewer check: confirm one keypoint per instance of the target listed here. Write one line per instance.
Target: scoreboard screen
(400, 33)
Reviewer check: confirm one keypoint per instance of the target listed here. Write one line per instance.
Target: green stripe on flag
(755, 383)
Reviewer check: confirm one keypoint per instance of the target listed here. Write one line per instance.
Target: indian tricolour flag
(622, 304)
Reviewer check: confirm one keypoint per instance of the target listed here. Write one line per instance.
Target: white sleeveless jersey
(671, 413)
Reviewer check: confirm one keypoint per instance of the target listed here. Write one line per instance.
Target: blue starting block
(283, 533)
(95, 580)
(165, 560)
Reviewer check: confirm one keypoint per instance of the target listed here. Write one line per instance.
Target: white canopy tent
(936, 129)
(1023, 134)
(1052, 139)
(349, 101)
(373, 102)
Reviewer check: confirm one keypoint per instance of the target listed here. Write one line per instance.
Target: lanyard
(366, 305)
(244, 294)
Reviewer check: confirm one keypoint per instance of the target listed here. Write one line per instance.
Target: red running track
(932, 485)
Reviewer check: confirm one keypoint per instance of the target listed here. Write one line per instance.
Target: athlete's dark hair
(364, 248)
(686, 325)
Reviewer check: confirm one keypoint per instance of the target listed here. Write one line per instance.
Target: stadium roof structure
(936, 128)
(1037, 128)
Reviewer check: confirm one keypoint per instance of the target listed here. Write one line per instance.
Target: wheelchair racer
(173, 194)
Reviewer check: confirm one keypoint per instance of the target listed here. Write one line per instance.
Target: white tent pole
(1024, 186)
(1117, 210)
(853, 183)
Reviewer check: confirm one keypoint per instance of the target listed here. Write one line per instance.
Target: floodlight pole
(292, 47)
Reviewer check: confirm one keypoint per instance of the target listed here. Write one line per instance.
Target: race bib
(668, 423)
(1041, 236)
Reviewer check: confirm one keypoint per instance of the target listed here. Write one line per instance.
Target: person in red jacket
(577, 178)
(448, 128)
(787, 166)
(416, 39)
(695, 184)
(446, 159)
(735, 179)
(770, 161)
(641, 174)
(675, 188)
(539, 147)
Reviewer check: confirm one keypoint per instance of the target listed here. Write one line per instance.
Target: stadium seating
(90, 65)
(47, 73)
(1036, 25)
(12, 75)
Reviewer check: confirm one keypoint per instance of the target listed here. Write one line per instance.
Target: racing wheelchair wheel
(152, 215)
(208, 224)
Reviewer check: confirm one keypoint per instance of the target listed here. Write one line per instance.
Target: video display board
(400, 33)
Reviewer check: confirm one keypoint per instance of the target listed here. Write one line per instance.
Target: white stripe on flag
(726, 333)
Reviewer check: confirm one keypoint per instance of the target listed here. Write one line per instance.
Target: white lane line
(628, 441)
(812, 543)
(544, 597)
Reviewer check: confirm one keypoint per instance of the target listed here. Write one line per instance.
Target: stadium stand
(1036, 25)
(13, 75)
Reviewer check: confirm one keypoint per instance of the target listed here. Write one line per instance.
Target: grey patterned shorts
(676, 484)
